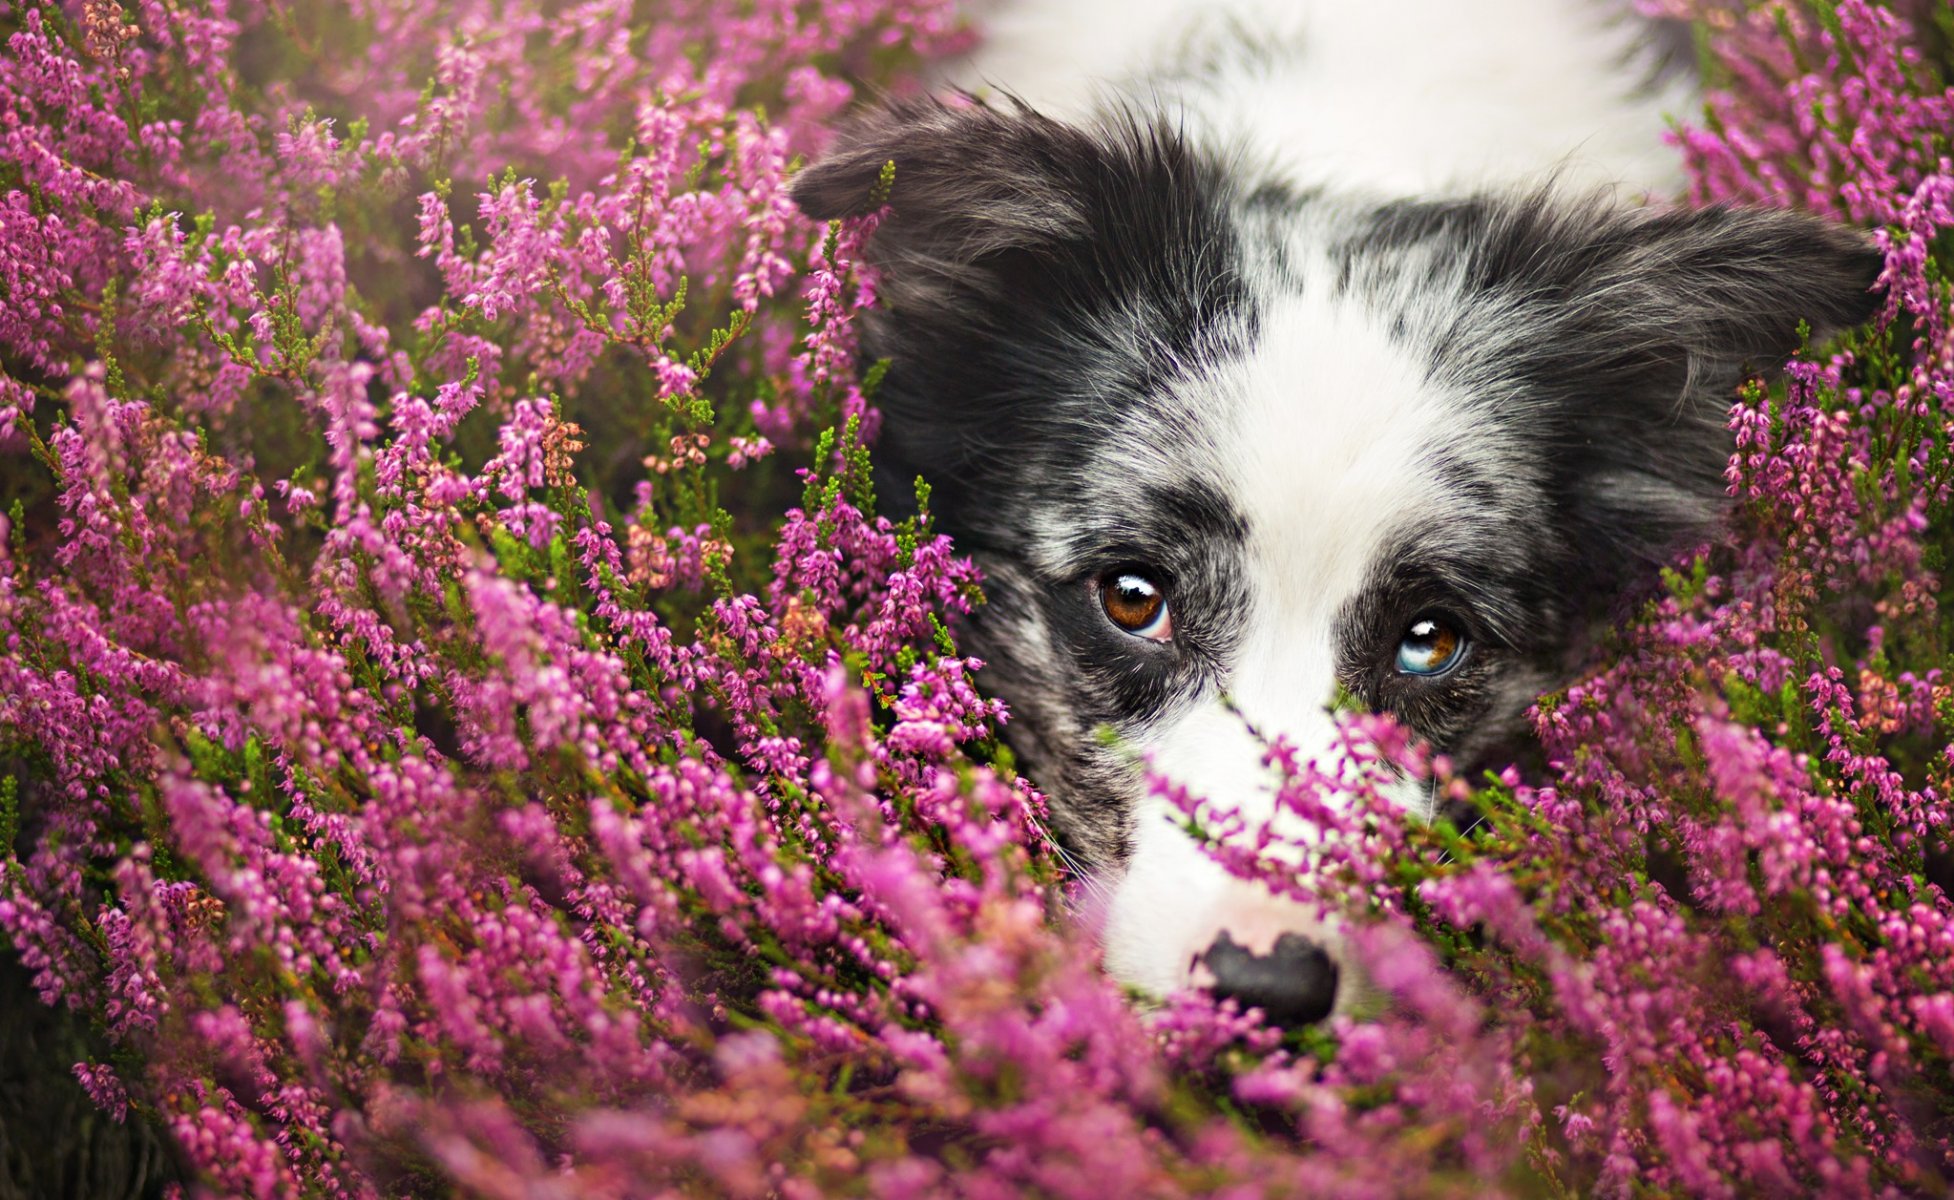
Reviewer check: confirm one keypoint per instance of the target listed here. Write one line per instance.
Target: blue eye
(1431, 646)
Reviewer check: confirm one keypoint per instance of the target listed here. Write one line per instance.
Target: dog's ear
(1016, 246)
(1683, 299)
(970, 183)
(1624, 335)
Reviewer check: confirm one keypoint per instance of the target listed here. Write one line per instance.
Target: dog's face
(1221, 448)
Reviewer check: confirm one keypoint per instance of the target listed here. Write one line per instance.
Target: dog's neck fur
(1408, 98)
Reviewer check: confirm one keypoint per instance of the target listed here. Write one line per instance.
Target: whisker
(1477, 820)
(1095, 887)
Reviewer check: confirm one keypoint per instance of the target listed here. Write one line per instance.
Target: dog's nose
(1294, 984)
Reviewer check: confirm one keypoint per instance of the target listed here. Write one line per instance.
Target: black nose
(1293, 984)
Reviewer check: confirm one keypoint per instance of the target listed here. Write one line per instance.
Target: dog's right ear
(1017, 251)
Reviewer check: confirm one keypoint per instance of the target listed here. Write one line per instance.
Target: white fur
(1401, 97)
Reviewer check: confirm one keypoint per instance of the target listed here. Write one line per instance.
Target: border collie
(1259, 349)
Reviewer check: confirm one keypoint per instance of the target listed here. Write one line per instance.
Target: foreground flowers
(432, 760)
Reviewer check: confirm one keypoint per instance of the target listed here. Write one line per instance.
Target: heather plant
(468, 722)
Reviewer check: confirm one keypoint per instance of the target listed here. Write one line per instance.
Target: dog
(1272, 348)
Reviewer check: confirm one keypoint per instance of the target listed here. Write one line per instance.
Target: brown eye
(1432, 645)
(1136, 604)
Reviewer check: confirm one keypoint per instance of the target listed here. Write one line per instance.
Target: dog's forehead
(1335, 430)
(1322, 438)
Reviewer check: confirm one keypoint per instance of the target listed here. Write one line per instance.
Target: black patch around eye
(1188, 539)
(1116, 679)
(1415, 582)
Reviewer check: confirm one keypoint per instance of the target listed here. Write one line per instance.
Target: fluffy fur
(1205, 330)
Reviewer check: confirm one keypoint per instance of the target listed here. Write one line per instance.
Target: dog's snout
(1294, 984)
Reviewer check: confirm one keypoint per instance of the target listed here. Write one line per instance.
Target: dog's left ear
(1681, 301)
(1621, 337)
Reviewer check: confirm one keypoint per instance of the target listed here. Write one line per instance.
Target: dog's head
(1221, 447)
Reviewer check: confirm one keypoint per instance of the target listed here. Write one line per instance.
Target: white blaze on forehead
(1326, 453)
(1331, 457)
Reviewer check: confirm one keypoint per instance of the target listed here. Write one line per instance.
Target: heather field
(468, 724)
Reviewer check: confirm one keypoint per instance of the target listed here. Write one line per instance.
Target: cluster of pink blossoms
(464, 727)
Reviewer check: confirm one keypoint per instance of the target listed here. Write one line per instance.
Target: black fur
(1034, 274)
(1613, 341)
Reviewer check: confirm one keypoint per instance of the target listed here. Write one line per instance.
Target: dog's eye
(1136, 604)
(1432, 645)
